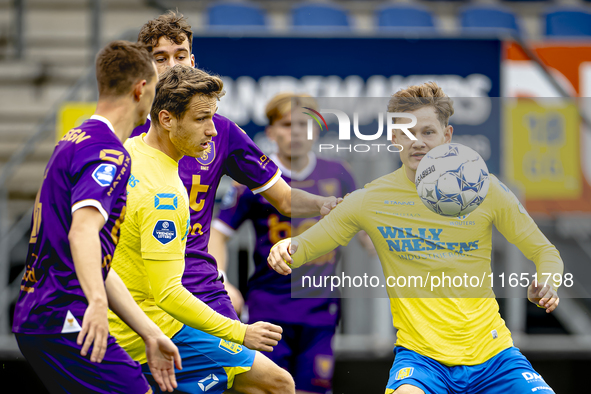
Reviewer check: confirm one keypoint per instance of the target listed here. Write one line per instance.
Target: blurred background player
(151, 255)
(308, 323)
(231, 152)
(68, 286)
(453, 342)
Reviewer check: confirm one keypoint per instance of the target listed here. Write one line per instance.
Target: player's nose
(210, 130)
(419, 142)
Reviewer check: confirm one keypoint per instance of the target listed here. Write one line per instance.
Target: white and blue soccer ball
(452, 180)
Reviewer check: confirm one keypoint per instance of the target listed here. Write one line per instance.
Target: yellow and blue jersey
(155, 228)
(453, 325)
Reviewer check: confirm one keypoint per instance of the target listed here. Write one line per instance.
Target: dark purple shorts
(57, 361)
(306, 353)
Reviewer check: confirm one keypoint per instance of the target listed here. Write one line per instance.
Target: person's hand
(235, 297)
(262, 336)
(95, 331)
(543, 295)
(162, 357)
(280, 256)
(328, 204)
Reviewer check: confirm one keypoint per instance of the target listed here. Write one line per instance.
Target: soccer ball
(452, 180)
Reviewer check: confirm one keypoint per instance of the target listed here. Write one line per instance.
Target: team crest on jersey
(328, 187)
(104, 174)
(208, 155)
(323, 366)
(230, 347)
(404, 373)
(164, 231)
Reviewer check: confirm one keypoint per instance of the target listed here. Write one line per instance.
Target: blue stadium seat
(488, 19)
(323, 17)
(405, 18)
(235, 16)
(568, 21)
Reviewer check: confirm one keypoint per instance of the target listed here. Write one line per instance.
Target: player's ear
(448, 132)
(165, 118)
(270, 132)
(394, 137)
(192, 60)
(138, 90)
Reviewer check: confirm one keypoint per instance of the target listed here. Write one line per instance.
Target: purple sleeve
(235, 206)
(99, 174)
(247, 164)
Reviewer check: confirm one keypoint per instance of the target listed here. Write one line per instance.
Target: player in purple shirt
(308, 321)
(60, 320)
(233, 153)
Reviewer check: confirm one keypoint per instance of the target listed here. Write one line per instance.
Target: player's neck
(117, 113)
(294, 163)
(410, 174)
(157, 138)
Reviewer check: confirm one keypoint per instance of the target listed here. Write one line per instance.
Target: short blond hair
(280, 105)
(428, 94)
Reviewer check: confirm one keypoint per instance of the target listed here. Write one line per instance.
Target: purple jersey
(230, 153)
(321, 177)
(89, 167)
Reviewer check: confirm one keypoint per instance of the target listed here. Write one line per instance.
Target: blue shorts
(507, 372)
(57, 361)
(306, 352)
(209, 363)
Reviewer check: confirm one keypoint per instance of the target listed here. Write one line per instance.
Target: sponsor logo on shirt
(164, 231)
(462, 221)
(404, 373)
(405, 239)
(399, 202)
(530, 377)
(208, 155)
(208, 382)
(230, 347)
(166, 201)
(104, 174)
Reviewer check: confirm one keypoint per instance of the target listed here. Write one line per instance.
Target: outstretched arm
(334, 230)
(297, 203)
(172, 297)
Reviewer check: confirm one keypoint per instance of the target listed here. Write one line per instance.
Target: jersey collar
(104, 120)
(299, 175)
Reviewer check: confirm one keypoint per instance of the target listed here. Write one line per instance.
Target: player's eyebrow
(176, 50)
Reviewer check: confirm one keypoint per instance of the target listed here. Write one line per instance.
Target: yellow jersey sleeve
(172, 297)
(509, 216)
(163, 224)
(513, 221)
(335, 229)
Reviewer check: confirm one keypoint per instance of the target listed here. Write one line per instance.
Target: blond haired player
(449, 340)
